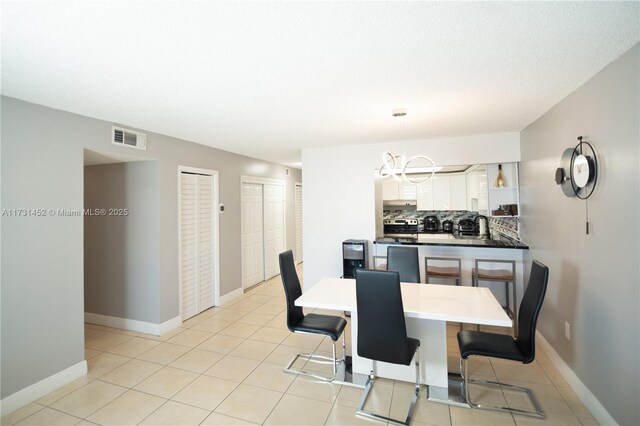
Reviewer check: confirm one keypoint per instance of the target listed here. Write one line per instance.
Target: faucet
(488, 230)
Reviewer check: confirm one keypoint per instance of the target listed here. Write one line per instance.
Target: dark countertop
(449, 240)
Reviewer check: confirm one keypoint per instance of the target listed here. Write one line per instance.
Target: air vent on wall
(128, 138)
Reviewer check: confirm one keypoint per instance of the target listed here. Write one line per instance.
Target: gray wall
(122, 253)
(42, 257)
(594, 279)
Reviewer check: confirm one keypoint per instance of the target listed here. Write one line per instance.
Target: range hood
(399, 203)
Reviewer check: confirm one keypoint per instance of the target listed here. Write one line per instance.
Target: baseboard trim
(133, 325)
(37, 390)
(231, 296)
(588, 399)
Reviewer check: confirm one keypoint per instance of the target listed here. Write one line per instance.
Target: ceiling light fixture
(396, 166)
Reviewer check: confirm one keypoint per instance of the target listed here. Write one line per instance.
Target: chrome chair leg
(538, 413)
(370, 381)
(320, 359)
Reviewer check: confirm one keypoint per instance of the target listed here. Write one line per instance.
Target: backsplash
(503, 228)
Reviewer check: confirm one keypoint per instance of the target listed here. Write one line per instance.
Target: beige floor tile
(257, 318)
(134, 347)
(52, 397)
(270, 334)
(554, 375)
(190, 338)
(166, 336)
(21, 413)
(250, 403)
(379, 399)
(239, 329)
(222, 420)
(165, 353)
(299, 340)
(101, 364)
(254, 350)
(574, 402)
(341, 415)
(510, 371)
(107, 341)
(193, 321)
(89, 398)
(197, 360)
(258, 298)
(246, 306)
(131, 373)
(166, 382)
(90, 334)
(206, 392)
(270, 309)
(270, 376)
(86, 423)
(548, 396)
(425, 411)
(49, 417)
(309, 387)
(231, 314)
(212, 325)
(551, 419)
(177, 414)
(90, 353)
(589, 422)
(221, 343)
(282, 355)
(295, 410)
(232, 368)
(129, 408)
(467, 416)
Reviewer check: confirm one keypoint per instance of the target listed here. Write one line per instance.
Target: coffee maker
(354, 256)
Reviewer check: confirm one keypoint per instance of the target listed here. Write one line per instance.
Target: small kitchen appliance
(467, 227)
(447, 226)
(354, 256)
(431, 224)
(400, 227)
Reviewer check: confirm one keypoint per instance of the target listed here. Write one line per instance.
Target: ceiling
(268, 79)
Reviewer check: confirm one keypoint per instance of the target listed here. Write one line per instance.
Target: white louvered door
(298, 223)
(196, 243)
(273, 228)
(252, 235)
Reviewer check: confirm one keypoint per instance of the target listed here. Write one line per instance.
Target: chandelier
(395, 165)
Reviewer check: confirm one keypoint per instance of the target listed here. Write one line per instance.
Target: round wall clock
(584, 169)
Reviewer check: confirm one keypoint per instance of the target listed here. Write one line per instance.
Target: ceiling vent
(128, 138)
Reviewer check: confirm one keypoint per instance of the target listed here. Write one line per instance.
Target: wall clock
(578, 171)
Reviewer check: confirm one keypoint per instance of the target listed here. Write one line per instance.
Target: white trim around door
(298, 220)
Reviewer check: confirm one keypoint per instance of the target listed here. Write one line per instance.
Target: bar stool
(506, 276)
(444, 272)
(449, 272)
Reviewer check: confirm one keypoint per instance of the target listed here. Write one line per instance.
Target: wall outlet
(567, 330)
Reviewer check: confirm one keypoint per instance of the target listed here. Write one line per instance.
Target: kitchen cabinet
(393, 189)
(435, 194)
(458, 192)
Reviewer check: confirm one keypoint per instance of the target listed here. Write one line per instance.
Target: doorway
(263, 228)
(198, 240)
(298, 252)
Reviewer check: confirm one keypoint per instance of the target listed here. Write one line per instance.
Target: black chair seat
(489, 344)
(327, 325)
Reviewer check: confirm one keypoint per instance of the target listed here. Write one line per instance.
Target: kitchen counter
(449, 240)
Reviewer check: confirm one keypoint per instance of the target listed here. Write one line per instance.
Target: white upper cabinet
(458, 184)
(435, 194)
(393, 189)
(390, 189)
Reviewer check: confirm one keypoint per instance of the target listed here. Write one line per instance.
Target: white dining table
(427, 309)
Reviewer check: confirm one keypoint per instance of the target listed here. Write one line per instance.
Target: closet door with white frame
(252, 235)
(273, 228)
(196, 243)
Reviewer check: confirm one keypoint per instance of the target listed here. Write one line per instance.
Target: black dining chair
(521, 349)
(325, 325)
(405, 261)
(382, 331)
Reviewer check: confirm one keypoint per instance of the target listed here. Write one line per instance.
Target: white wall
(339, 189)
(594, 280)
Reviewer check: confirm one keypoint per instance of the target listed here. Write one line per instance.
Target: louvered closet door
(273, 228)
(252, 235)
(298, 223)
(196, 243)
(188, 245)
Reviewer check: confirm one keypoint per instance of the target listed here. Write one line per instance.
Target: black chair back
(292, 288)
(382, 332)
(405, 261)
(530, 308)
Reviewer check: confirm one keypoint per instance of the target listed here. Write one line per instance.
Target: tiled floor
(224, 367)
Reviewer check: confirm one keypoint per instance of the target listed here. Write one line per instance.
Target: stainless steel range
(400, 227)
